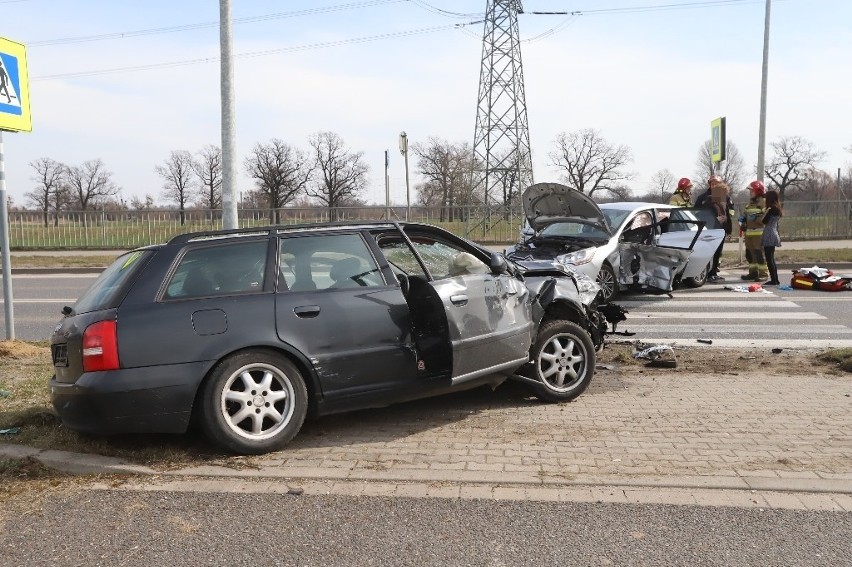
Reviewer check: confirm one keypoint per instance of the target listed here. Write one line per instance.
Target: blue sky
(650, 79)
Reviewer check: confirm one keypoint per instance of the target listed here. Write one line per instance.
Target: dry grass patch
(840, 357)
(714, 361)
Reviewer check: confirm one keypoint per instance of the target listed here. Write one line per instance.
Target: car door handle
(459, 299)
(307, 311)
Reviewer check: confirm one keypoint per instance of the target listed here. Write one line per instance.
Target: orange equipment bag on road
(820, 279)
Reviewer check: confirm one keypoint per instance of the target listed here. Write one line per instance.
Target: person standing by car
(771, 238)
(752, 228)
(682, 197)
(723, 213)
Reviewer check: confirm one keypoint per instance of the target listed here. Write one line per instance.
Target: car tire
(253, 402)
(562, 360)
(606, 280)
(698, 280)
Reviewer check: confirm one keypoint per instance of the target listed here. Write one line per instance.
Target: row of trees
(792, 170)
(331, 175)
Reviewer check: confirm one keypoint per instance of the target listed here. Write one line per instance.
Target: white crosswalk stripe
(727, 318)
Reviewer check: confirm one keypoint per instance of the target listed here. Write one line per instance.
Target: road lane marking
(775, 303)
(737, 315)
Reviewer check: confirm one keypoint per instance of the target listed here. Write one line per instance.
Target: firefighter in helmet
(682, 197)
(751, 226)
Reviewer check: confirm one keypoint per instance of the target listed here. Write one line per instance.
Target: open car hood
(546, 203)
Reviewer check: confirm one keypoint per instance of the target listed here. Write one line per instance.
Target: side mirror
(498, 264)
(404, 284)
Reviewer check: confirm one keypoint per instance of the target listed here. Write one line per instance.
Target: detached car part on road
(643, 246)
(249, 331)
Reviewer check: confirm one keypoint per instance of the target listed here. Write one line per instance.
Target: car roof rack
(276, 229)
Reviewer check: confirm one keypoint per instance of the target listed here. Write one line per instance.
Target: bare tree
(814, 185)
(51, 189)
(91, 183)
(732, 169)
(662, 185)
(793, 157)
(342, 174)
(281, 173)
(446, 167)
(177, 179)
(208, 168)
(590, 163)
(143, 203)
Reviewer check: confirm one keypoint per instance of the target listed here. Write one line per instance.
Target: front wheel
(253, 402)
(607, 282)
(562, 359)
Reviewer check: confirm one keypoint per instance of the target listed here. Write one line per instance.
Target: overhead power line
(205, 25)
(250, 54)
(649, 8)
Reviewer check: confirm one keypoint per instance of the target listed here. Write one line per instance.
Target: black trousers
(769, 253)
(714, 270)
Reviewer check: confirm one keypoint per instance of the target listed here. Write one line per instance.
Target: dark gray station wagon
(249, 331)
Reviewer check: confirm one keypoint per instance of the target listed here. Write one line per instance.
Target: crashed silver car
(640, 246)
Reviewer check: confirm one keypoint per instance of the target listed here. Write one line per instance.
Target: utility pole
(501, 141)
(403, 149)
(761, 136)
(229, 144)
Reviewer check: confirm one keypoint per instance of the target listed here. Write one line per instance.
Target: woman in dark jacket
(771, 238)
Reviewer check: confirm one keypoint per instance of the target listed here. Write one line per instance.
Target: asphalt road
(728, 318)
(150, 529)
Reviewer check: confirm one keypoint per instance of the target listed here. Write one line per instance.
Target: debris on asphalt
(777, 350)
(753, 288)
(296, 491)
(5, 393)
(10, 431)
(614, 314)
(705, 341)
(604, 367)
(660, 356)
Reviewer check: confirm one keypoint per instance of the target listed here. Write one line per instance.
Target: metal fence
(816, 220)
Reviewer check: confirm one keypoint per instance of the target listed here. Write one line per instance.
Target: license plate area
(60, 355)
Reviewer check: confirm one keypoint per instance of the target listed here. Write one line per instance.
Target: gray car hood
(546, 203)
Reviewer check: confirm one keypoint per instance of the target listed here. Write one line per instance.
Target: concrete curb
(84, 464)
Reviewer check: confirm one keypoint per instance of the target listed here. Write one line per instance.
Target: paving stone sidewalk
(636, 429)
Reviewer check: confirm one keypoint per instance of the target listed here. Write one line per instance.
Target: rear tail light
(100, 347)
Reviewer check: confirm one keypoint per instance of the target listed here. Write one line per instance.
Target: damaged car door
(648, 258)
(486, 308)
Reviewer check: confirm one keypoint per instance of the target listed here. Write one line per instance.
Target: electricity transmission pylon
(501, 142)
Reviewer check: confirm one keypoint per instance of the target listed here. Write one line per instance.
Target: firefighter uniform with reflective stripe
(753, 231)
(680, 199)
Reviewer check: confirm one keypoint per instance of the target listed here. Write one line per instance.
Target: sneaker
(715, 279)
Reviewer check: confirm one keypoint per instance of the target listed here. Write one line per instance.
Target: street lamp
(403, 149)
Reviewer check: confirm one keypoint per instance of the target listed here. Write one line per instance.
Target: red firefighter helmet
(758, 188)
(714, 179)
(684, 184)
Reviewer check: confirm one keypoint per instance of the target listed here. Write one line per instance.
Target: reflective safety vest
(680, 199)
(753, 214)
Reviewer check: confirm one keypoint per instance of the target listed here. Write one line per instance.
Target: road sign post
(14, 117)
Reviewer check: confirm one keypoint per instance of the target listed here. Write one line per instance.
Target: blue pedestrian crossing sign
(14, 88)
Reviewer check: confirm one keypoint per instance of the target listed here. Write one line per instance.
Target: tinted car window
(104, 292)
(326, 262)
(223, 269)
